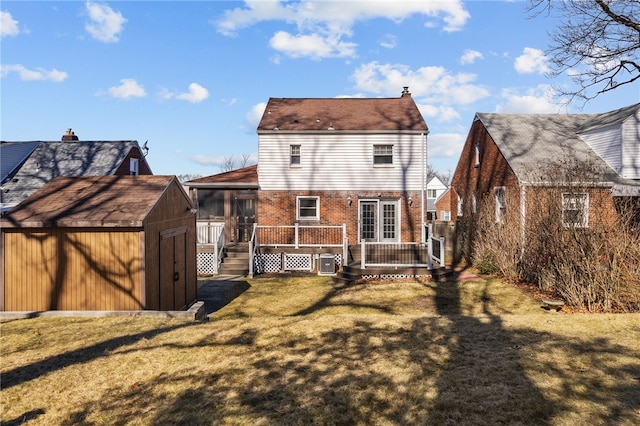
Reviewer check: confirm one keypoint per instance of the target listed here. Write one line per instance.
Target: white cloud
(315, 46)
(322, 25)
(432, 85)
(536, 100)
(128, 89)
(445, 144)
(254, 116)
(8, 25)
(195, 94)
(33, 75)
(470, 56)
(389, 41)
(106, 24)
(531, 61)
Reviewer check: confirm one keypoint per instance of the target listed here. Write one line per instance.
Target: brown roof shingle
(342, 114)
(90, 201)
(246, 176)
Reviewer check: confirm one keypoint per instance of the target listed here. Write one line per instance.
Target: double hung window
(383, 155)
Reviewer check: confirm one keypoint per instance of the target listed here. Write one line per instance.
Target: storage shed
(100, 243)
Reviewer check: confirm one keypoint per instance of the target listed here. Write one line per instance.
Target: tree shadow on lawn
(82, 355)
(428, 370)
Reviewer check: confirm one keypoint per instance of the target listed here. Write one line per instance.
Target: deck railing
(210, 236)
(402, 255)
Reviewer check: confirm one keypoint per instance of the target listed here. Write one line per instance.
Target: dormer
(615, 137)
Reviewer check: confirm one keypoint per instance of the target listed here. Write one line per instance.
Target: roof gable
(342, 114)
(531, 141)
(90, 201)
(70, 158)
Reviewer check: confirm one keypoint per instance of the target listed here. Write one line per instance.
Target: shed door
(173, 269)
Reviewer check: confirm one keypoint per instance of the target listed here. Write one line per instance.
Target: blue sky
(192, 78)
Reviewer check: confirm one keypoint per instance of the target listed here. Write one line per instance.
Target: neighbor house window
(432, 193)
(445, 215)
(134, 165)
(459, 205)
(499, 192)
(308, 208)
(474, 204)
(477, 155)
(382, 155)
(294, 156)
(575, 210)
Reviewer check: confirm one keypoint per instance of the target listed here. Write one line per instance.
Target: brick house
(509, 161)
(353, 161)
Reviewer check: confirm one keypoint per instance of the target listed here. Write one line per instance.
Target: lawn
(303, 351)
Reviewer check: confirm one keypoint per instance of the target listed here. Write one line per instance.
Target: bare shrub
(577, 240)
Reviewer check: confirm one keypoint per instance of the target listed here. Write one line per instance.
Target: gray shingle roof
(530, 142)
(69, 158)
(13, 155)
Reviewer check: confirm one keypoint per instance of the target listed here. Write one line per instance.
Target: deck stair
(235, 260)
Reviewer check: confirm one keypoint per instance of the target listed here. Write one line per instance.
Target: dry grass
(301, 351)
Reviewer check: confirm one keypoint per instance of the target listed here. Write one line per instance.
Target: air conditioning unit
(327, 264)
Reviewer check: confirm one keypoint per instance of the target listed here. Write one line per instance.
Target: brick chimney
(69, 136)
(405, 92)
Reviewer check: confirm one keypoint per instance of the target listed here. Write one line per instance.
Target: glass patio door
(379, 220)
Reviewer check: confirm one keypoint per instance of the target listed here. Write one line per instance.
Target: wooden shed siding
(339, 162)
(74, 269)
(172, 211)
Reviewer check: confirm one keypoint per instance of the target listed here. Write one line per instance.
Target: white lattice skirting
(206, 264)
(273, 262)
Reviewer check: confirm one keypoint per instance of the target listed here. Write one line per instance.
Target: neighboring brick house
(435, 190)
(508, 161)
(27, 166)
(354, 161)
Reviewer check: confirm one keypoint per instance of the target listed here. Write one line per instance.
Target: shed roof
(245, 177)
(342, 114)
(69, 158)
(93, 201)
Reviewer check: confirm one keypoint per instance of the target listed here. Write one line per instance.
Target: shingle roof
(531, 141)
(69, 158)
(90, 201)
(342, 114)
(13, 155)
(245, 177)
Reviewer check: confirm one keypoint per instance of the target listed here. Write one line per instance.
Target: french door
(379, 220)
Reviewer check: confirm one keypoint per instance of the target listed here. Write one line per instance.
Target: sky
(193, 78)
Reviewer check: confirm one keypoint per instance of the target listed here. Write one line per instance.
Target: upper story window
(294, 155)
(308, 208)
(460, 205)
(501, 204)
(383, 155)
(477, 155)
(134, 166)
(432, 193)
(575, 210)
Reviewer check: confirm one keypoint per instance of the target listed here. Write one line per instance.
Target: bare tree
(597, 42)
(228, 164)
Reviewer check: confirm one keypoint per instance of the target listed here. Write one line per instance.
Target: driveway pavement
(219, 291)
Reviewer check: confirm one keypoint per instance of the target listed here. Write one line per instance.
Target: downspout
(523, 212)
(423, 183)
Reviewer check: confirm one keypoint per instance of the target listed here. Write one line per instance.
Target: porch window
(210, 204)
(575, 210)
(499, 192)
(294, 156)
(308, 208)
(383, 155)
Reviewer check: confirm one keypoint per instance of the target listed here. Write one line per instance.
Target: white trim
(307, 197)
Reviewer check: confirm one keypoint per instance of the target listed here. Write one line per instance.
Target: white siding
(631, 147)
(607, 143)
(339, 162)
